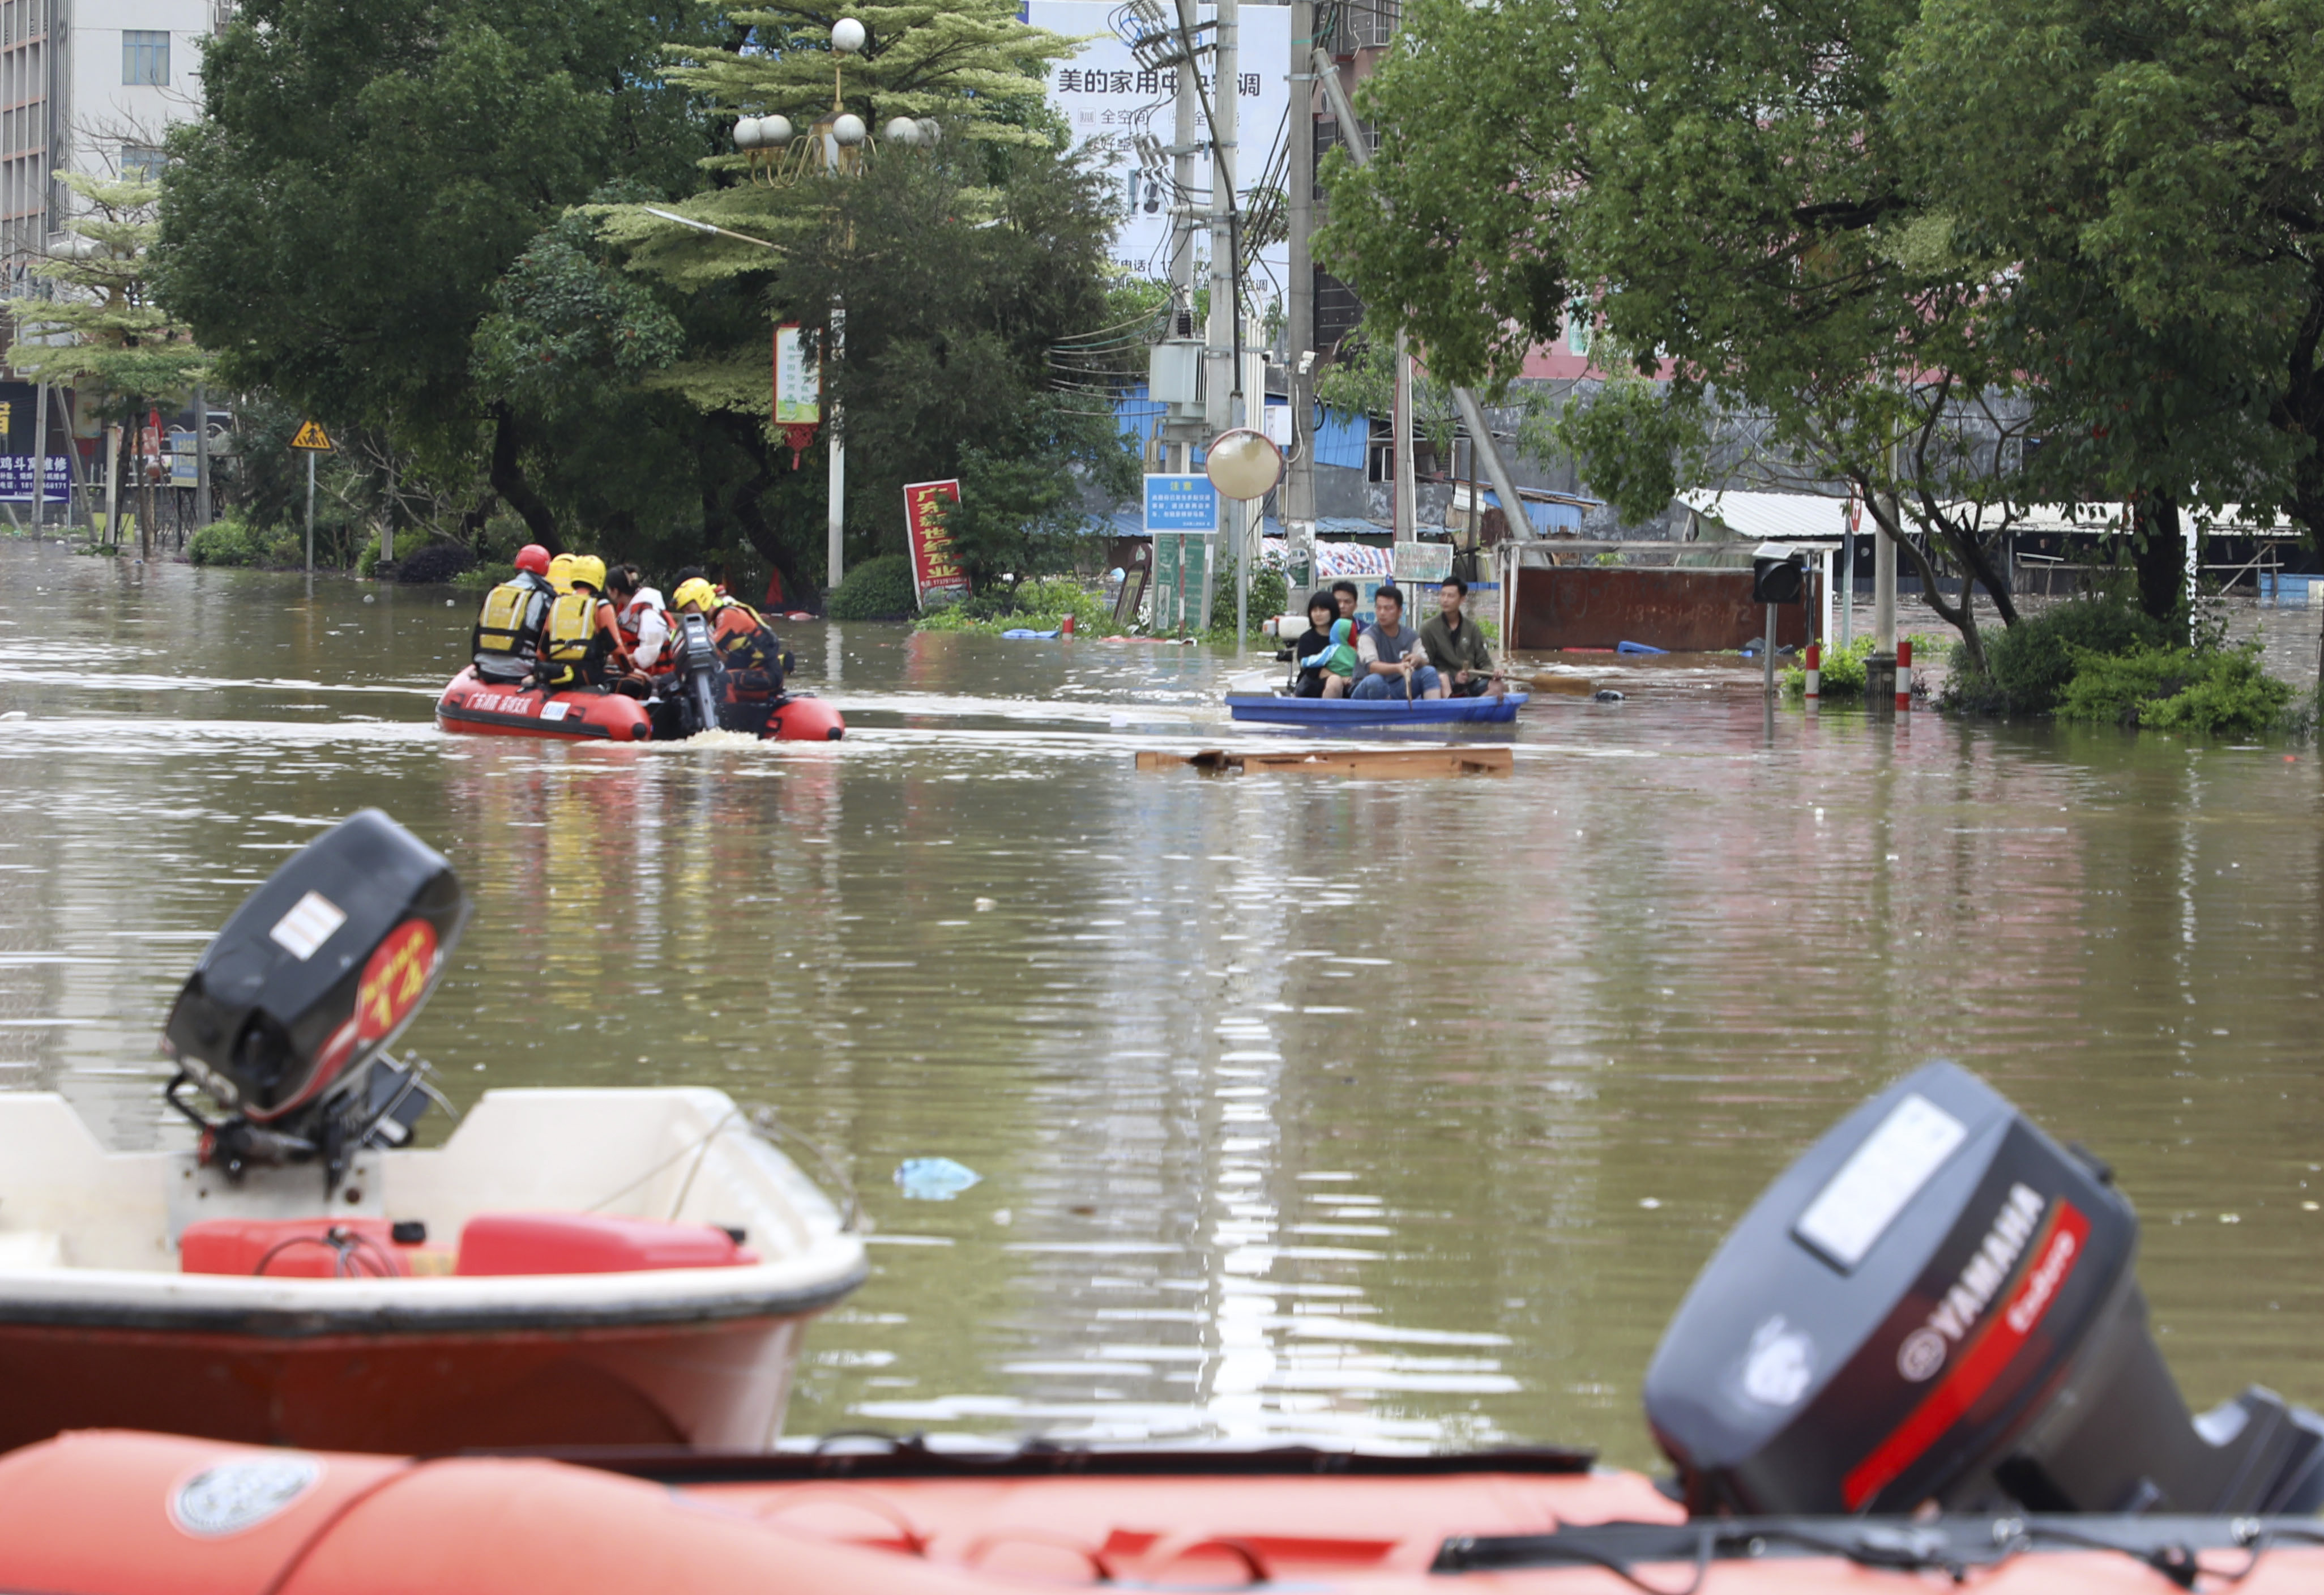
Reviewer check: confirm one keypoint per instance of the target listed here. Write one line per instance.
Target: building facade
(92, 87)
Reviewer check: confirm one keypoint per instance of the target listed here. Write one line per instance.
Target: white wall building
(88, 86)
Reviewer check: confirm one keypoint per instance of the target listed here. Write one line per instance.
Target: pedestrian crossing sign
(311, 436)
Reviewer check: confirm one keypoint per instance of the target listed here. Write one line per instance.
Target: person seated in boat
(748, 650)
(1316, 638)
(581, 642)
(1349, 597)
(1456, 646)
(643, 619)
(1333, 665)
(507, 633)
(1394, 664)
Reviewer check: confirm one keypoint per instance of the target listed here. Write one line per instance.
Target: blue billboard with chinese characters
(1181, 504)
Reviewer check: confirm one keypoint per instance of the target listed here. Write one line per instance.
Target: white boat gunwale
(692, 1140)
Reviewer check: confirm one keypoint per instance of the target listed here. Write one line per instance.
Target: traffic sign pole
(310, 511)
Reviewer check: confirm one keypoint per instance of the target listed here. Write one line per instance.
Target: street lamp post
(836, 145)
(841, 140)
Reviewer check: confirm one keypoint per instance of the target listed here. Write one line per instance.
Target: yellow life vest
(509, 629)
(572, 627)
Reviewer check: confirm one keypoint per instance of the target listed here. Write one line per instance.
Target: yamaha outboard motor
(1936, 1305)
(285, 1017)
(698, 670)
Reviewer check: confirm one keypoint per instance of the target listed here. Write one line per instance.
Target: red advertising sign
(934, 568)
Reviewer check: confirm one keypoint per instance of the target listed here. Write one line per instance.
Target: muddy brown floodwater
(1388, 1111)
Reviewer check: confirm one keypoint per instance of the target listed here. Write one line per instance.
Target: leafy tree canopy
(102, 330)
(365, 171)
(1907, 234)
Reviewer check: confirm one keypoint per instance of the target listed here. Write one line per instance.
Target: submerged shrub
(876, 590)
(2219, 692)
(435, 565)
(2029, 664)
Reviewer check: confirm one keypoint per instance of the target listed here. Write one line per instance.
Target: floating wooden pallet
(1366, 761)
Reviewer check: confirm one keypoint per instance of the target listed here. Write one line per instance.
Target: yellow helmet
(561, 572)
(696, 591)
(589, 568)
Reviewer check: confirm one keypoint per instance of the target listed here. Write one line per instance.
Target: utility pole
(1299, 482)
(39, 459)
(202, 461)
(112, 486)
(1186, 137)
(1406, 514)
(1222, 371)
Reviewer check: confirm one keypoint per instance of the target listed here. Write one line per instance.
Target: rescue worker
(641, 616)
(747, 647)
(581, 642)
(507, 634)
(561, 572)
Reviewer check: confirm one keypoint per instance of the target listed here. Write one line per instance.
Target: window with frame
(144, 58)
(143, 162)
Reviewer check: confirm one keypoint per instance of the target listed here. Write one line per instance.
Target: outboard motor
(287, 1015)
(698, 669)
(1936, 1303)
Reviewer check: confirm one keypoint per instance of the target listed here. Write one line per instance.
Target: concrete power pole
(1299, 482)
(1186, 137)
(1221, 377)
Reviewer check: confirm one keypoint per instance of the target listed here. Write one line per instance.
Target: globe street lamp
(836, 145)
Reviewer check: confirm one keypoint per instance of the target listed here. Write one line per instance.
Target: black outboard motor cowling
(319, 971)
(1937, 1304)
(698, 668)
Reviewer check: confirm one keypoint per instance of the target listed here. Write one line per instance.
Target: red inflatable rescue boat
(479, 707)
(131, 1514)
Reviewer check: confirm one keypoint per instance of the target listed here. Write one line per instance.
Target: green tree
(366, 171)
(2149, 170)
(1722, 190)
(961, 266)
(101, 331)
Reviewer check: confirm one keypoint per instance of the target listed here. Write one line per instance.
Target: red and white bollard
(1903, 675)
(1065, 627)
(1815, 671)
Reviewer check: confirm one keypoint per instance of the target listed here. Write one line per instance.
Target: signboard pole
(39, 459)
(310, 511)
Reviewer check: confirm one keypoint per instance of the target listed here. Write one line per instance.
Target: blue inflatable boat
(1272, 709)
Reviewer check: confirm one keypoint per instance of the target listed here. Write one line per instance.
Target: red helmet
(533, 558)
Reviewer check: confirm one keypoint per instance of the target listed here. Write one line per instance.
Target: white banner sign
(1103, 93)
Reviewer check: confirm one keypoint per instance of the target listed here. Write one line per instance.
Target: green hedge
(2029, 665)
(2216, 691)
(234, 541)
(876, 590)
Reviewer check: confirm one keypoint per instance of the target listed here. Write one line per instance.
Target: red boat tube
(129, 1513)
(499, 708)
(805, 720)
(479, 707)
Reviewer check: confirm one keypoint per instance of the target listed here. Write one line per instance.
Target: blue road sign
(1181, 504)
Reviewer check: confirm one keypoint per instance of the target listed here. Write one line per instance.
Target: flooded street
(1391, 1111)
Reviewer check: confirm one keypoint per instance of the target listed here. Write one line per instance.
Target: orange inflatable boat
(473, 705)
(128, 1514)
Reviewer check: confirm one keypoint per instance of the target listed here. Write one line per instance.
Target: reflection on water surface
(1393, 1111)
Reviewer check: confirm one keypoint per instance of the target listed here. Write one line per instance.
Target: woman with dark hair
(1322, 609)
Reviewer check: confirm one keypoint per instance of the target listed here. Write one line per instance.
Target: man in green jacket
(1457, 648)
